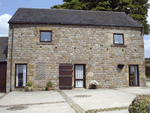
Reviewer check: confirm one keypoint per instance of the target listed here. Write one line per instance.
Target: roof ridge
(71, 10)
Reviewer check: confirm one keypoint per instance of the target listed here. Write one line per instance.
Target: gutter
(63, 23)
(11, 55)
(142, 31)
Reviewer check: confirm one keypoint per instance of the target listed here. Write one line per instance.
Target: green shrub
(140, 104)
(49, 84)
(32, 88)
(45, 88)
(29, 84)
(26, 88)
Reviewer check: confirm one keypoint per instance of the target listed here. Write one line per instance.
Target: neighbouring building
(3, 63)
(73, 47)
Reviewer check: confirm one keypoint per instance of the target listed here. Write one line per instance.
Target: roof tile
(79, 17)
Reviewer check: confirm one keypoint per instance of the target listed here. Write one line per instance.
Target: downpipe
(11, 55)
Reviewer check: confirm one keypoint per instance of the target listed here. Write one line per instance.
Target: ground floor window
(133, 75)
(21, 75)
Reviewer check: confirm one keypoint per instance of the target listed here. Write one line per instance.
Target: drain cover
(82, 96)
(17, 108)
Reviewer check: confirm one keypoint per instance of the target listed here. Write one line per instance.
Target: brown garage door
(3, 77)
(65, 76)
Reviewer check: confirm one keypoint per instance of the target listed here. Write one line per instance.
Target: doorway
(133, 75)
(79, 78)
(3, 70)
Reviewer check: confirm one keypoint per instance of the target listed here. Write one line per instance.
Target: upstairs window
(118, 39)
(46, 36)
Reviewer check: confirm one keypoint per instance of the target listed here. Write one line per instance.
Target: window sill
(19, 87)
(45, 43)
(118, 45)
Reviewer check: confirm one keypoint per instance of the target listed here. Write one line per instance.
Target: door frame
(84, 75)
(5, 74)
(137, 75)
(15, 73)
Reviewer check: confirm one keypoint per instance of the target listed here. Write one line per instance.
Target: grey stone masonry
(76, 44)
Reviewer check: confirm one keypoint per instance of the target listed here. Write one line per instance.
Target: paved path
(37, 102)
(100, 98)
(75, 106)
(117, 111)
(73, 101)
(45, 108)
(15, 97)
(1, 94)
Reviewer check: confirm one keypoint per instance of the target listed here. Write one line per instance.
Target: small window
(46, 36)
(118, 39)
(21, 75)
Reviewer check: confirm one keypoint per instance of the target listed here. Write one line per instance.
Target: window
(21, 75)
(118, 39)
(46, 36)
(133, 75)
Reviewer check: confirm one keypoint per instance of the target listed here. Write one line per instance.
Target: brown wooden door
(65, 76)
(79, 77)
(133, 75)
(2, 77)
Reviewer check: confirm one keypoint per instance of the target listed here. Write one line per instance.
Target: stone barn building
(73, 47)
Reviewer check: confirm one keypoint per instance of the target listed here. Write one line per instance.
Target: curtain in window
(24, 75)
(17, 76)
(79, 75)
(21, 75)
(136, 75)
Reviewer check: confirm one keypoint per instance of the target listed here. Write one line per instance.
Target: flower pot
(94, 86)
(29, 88)
(49, 88)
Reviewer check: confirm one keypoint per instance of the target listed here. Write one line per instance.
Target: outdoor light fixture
(120, 65)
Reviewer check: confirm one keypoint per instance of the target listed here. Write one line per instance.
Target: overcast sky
(9, 7)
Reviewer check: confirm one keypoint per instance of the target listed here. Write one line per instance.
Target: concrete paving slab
(135, 90)
(46, 108)
(100, 98)
(148, 83)
(17, 97)
(1, 94)
(116, 111)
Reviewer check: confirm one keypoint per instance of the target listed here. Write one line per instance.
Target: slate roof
(3, 48)
(75, 17)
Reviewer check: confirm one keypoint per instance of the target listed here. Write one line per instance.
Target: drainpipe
(11, 55)
(143, 31)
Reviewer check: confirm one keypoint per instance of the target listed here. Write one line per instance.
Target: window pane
(118, 39)
(45, 36)
(131, 70)
(20, 75)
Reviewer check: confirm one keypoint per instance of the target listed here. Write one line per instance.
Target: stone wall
(90, 45)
